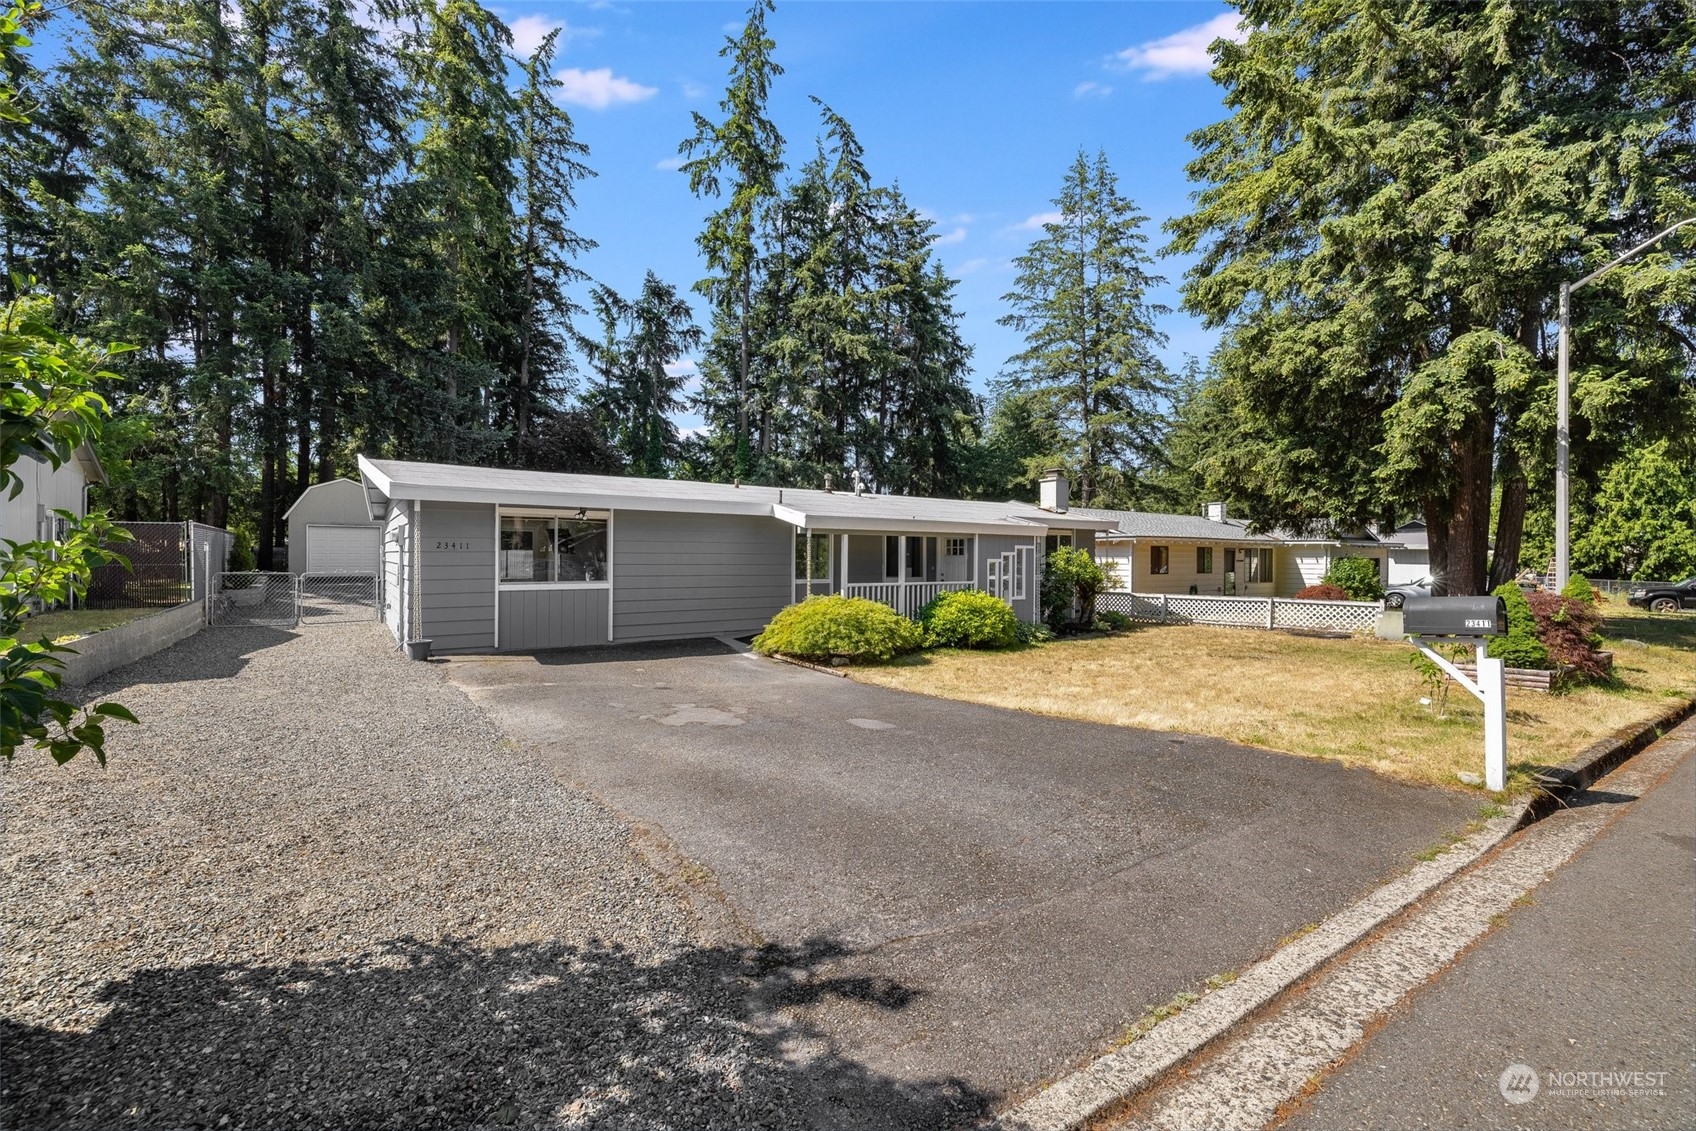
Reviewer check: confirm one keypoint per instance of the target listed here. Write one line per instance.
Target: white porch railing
(905, 598)
(1244, 612)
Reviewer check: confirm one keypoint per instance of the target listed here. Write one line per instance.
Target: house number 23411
(453, 545)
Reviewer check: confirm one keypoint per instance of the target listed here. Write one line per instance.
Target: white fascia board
(838, 525)
(562, 500)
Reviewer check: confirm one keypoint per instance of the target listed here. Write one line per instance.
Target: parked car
(1664, 596)
(1396, 595)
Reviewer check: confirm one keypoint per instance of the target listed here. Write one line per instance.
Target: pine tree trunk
(1468, 541)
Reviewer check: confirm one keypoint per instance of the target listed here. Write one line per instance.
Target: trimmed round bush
(969, 618)
(1322, 592)
(1578, 587)
(853, 628)
(1521, 647)
(1358, 577)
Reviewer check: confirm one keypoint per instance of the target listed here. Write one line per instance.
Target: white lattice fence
(1242, 612)
(1346, 616)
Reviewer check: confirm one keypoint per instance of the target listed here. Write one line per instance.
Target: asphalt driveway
(1002, 892)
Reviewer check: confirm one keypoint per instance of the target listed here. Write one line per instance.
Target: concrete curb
(1075, 1100)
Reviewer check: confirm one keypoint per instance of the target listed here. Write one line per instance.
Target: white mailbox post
(1429, 621)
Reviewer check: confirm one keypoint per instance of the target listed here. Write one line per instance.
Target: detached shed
(330, 530)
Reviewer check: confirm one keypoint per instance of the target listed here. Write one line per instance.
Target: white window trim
(1023, 557)
(591, 514)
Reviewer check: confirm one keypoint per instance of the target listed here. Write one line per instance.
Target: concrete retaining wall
(102, 652)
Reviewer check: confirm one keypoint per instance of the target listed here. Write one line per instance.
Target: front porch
(907, 571)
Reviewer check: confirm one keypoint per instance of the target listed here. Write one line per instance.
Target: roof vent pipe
(829, 483)
(859, 484)
(1053, 491)
(1215, 512)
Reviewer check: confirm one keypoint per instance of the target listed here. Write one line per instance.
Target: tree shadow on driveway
(427, 1035)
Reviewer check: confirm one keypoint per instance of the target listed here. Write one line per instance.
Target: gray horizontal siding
(676, 576)
(552, 618)
(458, 584)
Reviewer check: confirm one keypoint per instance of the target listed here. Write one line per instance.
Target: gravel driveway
(316, 888)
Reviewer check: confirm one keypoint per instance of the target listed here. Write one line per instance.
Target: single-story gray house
(1213, 554)
(480, 559)
(331, 531)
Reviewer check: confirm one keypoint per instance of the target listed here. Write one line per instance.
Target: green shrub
(1033, 633)
(1520, 647)
(1117, 622)
(1578, 587)
(241, 553)
(1358, 577)
(969, 618)
(822, 628)
(1071, 579)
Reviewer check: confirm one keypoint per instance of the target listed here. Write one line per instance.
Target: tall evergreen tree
(743, 154)
(1383, 224)
(1081, 301)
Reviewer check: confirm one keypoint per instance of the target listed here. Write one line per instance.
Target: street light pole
(1563, 434)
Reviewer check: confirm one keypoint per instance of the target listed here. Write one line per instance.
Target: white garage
(330, 530)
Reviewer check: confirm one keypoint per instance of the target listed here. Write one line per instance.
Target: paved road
(1006, 890)
(1597, 975)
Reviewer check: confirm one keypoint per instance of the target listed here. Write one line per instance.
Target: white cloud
(599, 88)
(684, 367)
(970, 266)
(1036, 223)
(693, 90)
(529, 31)
(958, 235)
(669, 164)
(1091, 89)
(1183, 52)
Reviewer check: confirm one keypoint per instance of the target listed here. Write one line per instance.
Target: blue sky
(975, 109)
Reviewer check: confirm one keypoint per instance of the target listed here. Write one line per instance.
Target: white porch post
(843, 591)
(901, 575)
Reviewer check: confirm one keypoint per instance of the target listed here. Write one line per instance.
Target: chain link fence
(254, 598)
(208, 555)
(338, 598)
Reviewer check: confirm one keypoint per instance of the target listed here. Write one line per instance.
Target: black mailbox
(1455, 616)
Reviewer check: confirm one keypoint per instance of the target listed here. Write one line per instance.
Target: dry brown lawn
(1356, 700)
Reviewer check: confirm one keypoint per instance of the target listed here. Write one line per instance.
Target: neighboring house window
(1056, 542)
(956, 548)
(1021, 570)
(1257, 565)
(1204, 559)
(1159, 559)
(892, 556)
(821, 556)
(538, 548)
(992, 576)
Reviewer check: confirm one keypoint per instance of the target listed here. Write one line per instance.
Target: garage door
(342, 549)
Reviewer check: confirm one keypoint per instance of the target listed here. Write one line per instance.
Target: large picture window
(1160, 559)
(1204, 559)
(549, 548)
(1257, 565)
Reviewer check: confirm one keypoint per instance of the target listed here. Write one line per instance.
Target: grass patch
(62, 626)
(1355, 701)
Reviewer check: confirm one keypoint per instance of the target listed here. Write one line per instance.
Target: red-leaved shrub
(1323, 593)
(1567, 628)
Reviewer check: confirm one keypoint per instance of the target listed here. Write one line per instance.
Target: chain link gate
(254, 598)
(258, 598)
(338, 598)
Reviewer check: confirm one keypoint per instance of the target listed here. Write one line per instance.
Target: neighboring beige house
(28, 516)
(1210, 555)
(1213, 554)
